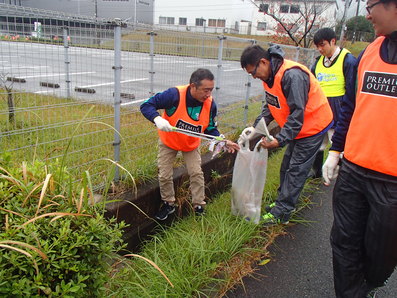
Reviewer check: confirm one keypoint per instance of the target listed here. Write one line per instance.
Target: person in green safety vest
(334, 70)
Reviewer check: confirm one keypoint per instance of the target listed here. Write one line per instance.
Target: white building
(137, 11)
(243, 16)
(210, 16)
(293, 14)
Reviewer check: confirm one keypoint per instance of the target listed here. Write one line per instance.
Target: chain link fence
(71, 89)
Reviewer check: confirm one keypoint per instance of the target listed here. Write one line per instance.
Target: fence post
(311, 57)
(297, 54)
(219, 66)
(117, 88)
(248, 91)
(67, 60)
(247, 95)
(151, 54)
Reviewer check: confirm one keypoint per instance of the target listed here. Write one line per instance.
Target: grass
(203, 256)
(43, 126)
(196, 256)
(355, 48)
(53, 240)
(217, 249)
(186, 44)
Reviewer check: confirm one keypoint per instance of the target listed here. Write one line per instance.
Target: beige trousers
(165, 162)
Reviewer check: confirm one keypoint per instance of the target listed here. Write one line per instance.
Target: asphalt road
(93, 69)
(301, 264)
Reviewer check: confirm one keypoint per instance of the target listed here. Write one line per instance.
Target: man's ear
(333, 41)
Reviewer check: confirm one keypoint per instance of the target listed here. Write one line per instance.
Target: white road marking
(233, 69)
(132, 102)
(44, 91)
(24, 67)
(57, 74)
(202, 65)
(112, 83)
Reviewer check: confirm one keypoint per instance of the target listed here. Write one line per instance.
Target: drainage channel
(141, 224)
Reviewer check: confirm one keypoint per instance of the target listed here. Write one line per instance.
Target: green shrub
(53, 240)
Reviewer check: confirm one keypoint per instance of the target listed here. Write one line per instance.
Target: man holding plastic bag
(294, 99)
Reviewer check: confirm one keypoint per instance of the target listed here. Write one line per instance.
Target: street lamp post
(135, 20)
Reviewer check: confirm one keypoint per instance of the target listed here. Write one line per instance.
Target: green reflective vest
(332, 79)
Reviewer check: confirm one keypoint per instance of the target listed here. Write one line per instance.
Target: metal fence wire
(71, 88)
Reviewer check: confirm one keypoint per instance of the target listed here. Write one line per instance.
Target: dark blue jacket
(169, 100)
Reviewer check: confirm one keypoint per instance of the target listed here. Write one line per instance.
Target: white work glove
(162, 124)
(247, 134)
(331, 167)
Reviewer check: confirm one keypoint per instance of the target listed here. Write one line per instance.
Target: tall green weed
(53, 240)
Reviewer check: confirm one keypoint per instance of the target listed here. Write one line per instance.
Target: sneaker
(199, 210)
(268, 208)
(372, 293)
(165, 210)
(270, 220)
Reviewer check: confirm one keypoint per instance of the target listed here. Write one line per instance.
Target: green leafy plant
(53, 240)
(215, 175)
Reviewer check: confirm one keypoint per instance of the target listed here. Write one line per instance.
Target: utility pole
(96, 9)
(135, 21)
(355, 23)
(342, 31)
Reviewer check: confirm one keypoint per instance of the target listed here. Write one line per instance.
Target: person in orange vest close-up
(364, 231)
(191, 108)
(295, 100)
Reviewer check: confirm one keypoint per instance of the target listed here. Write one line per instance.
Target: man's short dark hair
(199, 75)
(322, 34)
(387, 1)
(252, 54)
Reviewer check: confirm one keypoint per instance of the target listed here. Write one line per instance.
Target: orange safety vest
(371, 140)
(181, 119)
(318, 113)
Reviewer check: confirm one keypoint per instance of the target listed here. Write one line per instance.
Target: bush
(53, 241)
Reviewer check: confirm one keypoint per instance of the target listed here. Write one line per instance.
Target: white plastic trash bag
(249, 177)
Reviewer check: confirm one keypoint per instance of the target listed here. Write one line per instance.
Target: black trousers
(364, 231)
(297, 161)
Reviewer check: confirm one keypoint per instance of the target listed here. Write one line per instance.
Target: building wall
(216, 15)
(263, 24)
(107, 9)
(145, 11)
(126, 10)
(220, 16)
(12, 2)
(80, 7)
